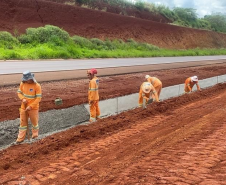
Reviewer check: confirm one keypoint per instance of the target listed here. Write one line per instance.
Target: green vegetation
(188, 17)
(52, 42)
(178, 16)
(217, 22)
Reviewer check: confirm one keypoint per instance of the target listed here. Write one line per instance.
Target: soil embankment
(17, 16)
(178, 141)
(74, 92)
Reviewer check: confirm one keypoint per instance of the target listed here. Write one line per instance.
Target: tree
(217, 21)
(186, 14)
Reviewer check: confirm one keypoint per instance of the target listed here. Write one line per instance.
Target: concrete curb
(57, 120)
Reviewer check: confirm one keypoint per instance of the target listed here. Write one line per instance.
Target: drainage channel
(54, 121)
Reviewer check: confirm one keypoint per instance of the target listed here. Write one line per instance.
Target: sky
(203, 7)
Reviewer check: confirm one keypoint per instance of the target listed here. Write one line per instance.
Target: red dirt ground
(178, 141)
(128, 11)
(16, 16)
(75, 91)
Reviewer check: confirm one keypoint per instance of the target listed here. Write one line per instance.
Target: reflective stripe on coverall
(33, 94)
(157, 85)
(189, 85)
(93, 96)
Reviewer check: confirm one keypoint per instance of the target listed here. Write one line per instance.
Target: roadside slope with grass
(52, 42)
(17, 16)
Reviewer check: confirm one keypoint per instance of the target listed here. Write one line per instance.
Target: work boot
(34, 133)
(34, 136)
(92, 121)
(18, 141)
(21, 136)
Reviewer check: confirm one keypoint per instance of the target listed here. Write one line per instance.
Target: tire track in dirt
(80, 166)
(143, 153)
(195, 161)
(85, 156)
(193, 127)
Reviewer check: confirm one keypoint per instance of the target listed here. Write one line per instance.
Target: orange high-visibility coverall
(33, 94)
(189, 85)
(93, 97)
(157, 85)
(146, 95)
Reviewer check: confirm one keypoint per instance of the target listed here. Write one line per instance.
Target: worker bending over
(156, 83)
(190, 82)
(30, 94)
(146, 89)
(93, 95)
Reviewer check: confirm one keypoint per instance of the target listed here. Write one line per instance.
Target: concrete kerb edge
(79, 114)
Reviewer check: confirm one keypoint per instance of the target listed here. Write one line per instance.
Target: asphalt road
(15, 67)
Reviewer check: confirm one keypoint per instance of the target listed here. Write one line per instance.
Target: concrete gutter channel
(54, 121)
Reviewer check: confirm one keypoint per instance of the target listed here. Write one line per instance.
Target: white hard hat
(194, 79)
(146, 87)
(147, 76)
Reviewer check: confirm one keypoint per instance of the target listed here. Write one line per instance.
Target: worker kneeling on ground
(30, 94)
(156, 83)
(93, 95)
(190, 82)
(147, 89)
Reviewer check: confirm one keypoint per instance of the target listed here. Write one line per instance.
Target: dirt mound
(167, 143)
(16, 16)
(75, 91)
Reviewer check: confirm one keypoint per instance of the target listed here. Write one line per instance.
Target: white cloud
(203, 7)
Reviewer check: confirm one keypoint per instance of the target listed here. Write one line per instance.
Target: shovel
(28, 128)
(148, 102)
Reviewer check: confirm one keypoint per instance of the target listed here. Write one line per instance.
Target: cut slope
(16, 16)
(117, 9)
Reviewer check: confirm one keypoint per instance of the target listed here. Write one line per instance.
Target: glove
(24, 101)
(150, 101)
(28, 108)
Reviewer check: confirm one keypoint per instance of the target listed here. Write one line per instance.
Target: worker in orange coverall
(93, 95)
(190, 82)
(156, 83)
(30, 94)
(146, 89)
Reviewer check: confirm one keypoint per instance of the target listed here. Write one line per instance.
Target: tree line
(178, 16)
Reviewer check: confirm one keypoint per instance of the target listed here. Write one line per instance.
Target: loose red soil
(177, 141)
(127, 11)
(74, 92)
(17, 16)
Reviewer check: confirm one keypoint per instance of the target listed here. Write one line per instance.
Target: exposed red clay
(17, 16)
(127, 11)
(178, 141)
(75, 91)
